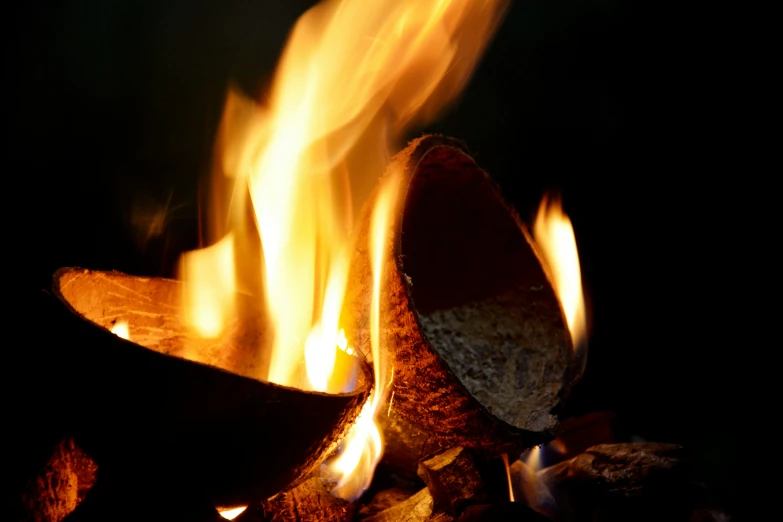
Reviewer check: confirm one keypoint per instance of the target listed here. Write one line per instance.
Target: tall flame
(363, 446)
(355, 74)
(554, 236)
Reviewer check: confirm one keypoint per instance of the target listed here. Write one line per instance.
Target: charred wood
(383, 500)
(197, 421)
(417, 508)
(405, 444)
(640, 481)
(453, 480)
(475, 334)
(623, 470)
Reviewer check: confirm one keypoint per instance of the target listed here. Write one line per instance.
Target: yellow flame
(231, 514)
(504, 458)
(354, 75)
(363, 446)
(554, 236)
(208, 297)
(536, 493)
(120, 329)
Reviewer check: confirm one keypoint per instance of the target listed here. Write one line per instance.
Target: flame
(231, 514)
(209, 297)
(363, 446)
(504, 458)
(353, 77)
(120, 329)
(554, 236)
(536, 493)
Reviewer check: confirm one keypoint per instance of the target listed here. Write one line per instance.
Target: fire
(536, 493)
(554, 236)
(120, 329)
(363, 446)
(231, 514)
(353, 77)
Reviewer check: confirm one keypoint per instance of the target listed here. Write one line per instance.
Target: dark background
(114, 104)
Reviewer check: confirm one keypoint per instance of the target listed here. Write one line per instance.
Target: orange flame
(121, 329)
(353, 77)
(363, 446)
(554, 236)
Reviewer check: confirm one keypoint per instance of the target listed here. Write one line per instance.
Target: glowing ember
(554, 236)
(231, 514)
(120, 329)
(353, 77)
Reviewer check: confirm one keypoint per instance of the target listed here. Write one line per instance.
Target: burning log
(629, 481)
(452, 479)
(385, 499)
(623, 470)
(417, 508)
(475, 335)
(233, 438)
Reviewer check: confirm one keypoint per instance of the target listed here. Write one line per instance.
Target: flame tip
(555, 240)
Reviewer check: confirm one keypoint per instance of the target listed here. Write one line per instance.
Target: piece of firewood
(417, 508)
(67, 477)
(405, 443)
(643, 481)
(453, 479)
(237, 438)
(309, 500)
(623, 469)
(384, 500)
(475, 335)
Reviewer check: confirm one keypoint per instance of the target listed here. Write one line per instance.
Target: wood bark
(417, 508)
(309, 500)
(624, 481)
(474, 334)
(453, 479)
(145, 404)
(62, 484)
(622, 469)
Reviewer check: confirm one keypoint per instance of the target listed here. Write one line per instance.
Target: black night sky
(114, 106)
